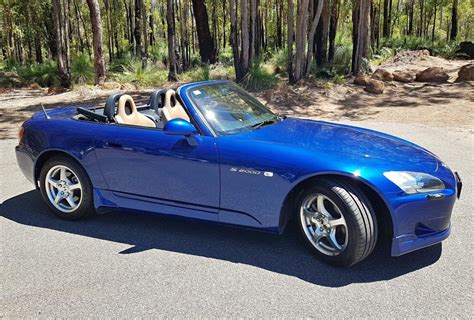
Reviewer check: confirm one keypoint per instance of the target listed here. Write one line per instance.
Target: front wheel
(66, 188)
(337, 222)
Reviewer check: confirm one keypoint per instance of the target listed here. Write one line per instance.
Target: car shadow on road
(282, 254)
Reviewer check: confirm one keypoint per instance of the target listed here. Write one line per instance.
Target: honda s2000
(212, 152)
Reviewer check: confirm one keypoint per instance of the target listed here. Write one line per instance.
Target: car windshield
(228, 109)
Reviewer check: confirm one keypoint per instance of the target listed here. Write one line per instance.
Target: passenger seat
(128, 114)
(172, 108)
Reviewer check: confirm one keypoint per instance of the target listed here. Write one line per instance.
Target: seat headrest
(128, 114)
(110, 106)
(157, 100)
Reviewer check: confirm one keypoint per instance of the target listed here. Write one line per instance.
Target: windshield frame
(204, 120)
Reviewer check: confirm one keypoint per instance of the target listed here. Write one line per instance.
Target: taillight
(21, 133)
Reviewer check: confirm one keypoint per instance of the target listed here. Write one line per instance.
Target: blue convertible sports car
(212, 152)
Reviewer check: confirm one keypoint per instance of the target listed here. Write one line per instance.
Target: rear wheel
(66, 188)
(337, 222)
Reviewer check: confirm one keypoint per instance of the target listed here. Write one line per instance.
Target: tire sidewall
(86, 206)
(349, 255)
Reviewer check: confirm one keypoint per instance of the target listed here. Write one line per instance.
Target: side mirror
(180, 127)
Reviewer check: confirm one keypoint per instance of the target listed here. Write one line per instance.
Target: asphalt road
(124, 265)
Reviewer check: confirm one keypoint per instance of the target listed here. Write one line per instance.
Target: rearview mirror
(180, 127)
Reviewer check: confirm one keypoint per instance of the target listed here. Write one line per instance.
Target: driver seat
(127, 113)
(172, 108)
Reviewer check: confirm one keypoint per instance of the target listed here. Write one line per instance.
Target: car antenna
(45, 113)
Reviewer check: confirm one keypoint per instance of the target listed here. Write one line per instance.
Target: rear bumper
(25, 162)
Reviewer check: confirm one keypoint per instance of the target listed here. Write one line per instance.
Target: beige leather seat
(172, 109)
(128, 114)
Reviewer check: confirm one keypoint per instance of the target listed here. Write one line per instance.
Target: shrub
(258, 78)
(45, 74)
(82, 71)
(280, 60)
(134, 73)
(342, 59)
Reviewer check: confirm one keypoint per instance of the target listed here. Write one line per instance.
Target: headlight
(414, 182)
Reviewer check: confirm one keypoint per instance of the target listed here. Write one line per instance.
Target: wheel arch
(381, 208)
(48, 154)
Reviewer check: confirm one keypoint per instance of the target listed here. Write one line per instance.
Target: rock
(382, 75)
(466, 49)
(466, 73)
(35, 86)
(433, 74)
(10, 79)
(110, 85)
(375, 86)
(426, 52)
(361, 79)
(403, 76)
(56, 90)
(128, 87)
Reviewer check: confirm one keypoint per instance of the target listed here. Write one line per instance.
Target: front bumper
(423, 220)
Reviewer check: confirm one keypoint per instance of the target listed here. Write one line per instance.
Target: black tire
(359, 218)
(86, 206)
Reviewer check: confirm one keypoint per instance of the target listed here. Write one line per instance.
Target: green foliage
(279, 60)
(226, 56)
(134, 72)
(202, 73)
(45, 74)
(342, 59)
(383, 55)
(339, 79)
(82, 71)
(258, 77)
(447, 51)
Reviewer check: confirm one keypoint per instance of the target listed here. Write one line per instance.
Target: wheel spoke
(337, 222)
(53, 182)
(317, 237)
(70, 200)
(321, 207)
(58, 197)
(308, 214)
(333, 241)
(75, 186)
(62, 174)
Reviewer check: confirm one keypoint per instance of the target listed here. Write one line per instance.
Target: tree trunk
(322, 34)
(61, 26)
(139, 48)
(207, 46)
(291, 34)
(253, 30)
(411, 12)
(333, 29)
(314, 24)
(386, 18)
(234, 40)
(279, 28)
(99, 64)
(301, 32)
(360, 34)
(245, 34)
(152, 23)
(434, 22)
(172, 76)
(454, 21)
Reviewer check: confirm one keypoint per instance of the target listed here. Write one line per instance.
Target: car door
(157, 167)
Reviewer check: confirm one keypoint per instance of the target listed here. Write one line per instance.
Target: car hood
(338, 142)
